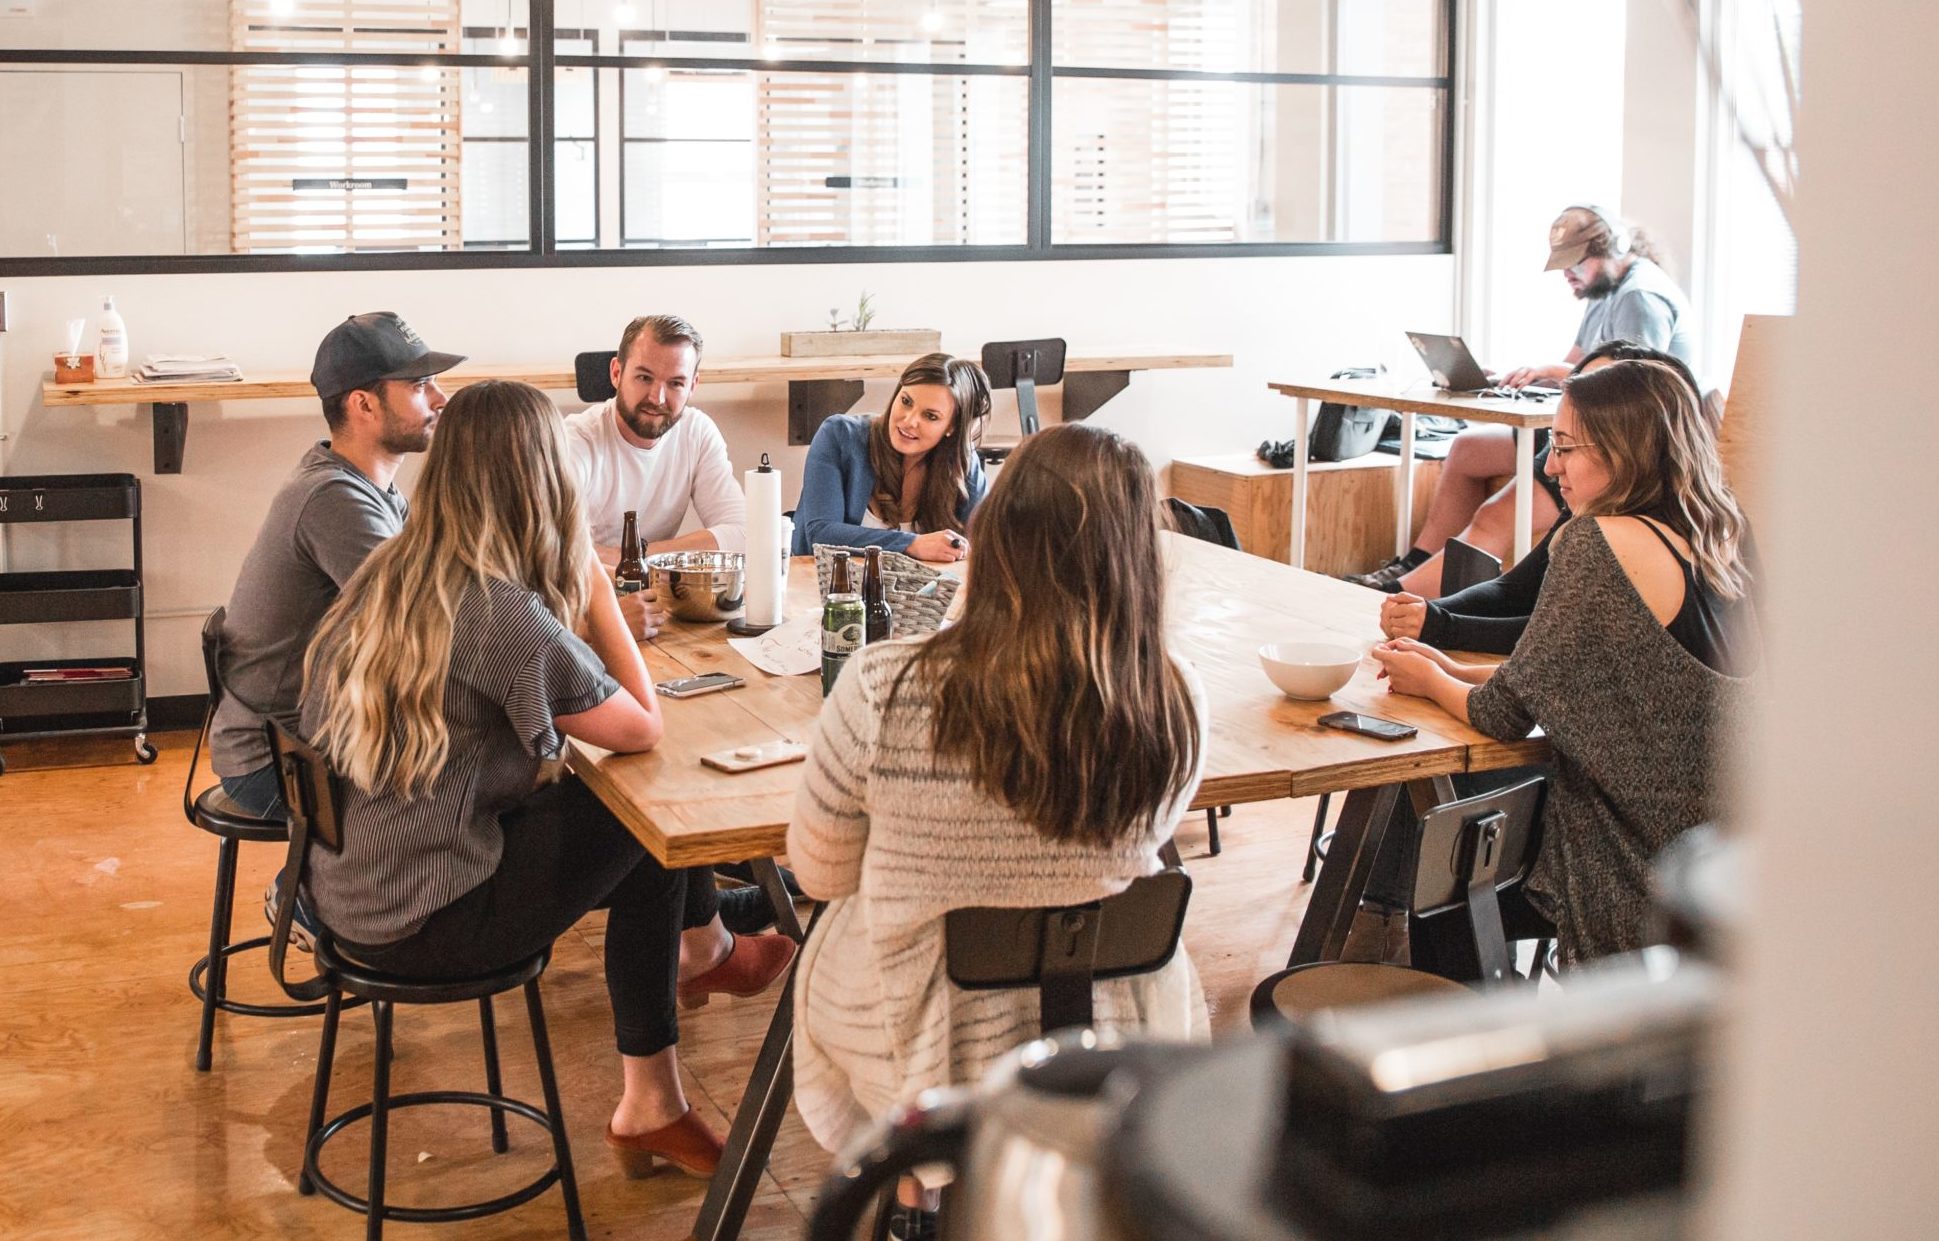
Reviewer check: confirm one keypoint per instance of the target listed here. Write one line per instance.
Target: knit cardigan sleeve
(1568, 626)
(830, 828)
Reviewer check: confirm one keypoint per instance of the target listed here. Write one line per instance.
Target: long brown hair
(1647, 422)
(946, 485)
(496, 501)
(1055, 686)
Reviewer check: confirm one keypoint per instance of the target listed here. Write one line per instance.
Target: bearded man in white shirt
(647, 451)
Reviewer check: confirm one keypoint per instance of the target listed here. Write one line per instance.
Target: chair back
(314, 795)
(1062, 951)
(212, 654)
(592, 375)
(212, 669)
(1023, 364)
(1472, 849)
(1210, 525)
(1464, 565)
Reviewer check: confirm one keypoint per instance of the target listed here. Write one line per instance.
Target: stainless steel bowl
(699, 586)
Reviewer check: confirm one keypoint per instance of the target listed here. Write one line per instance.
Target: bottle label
(627, 586)
(112, 355)
(843, 640)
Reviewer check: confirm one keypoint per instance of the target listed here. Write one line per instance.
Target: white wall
(1278, 317)
(1660, 129)
(1831, 1118)
(1555, 99)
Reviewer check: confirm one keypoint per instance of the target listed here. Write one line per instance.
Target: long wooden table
(817, 387)
(1526, 416)
(1223, 605)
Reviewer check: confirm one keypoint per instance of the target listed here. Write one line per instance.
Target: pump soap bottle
(111, 355)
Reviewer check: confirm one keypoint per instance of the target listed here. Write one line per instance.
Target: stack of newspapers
(176, 368)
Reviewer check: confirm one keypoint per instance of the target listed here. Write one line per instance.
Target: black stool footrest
(201, 968)
(431, 1215)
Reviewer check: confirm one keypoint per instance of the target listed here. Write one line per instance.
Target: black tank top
(1704, 624)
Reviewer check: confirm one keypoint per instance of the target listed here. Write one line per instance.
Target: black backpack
(1339, 432)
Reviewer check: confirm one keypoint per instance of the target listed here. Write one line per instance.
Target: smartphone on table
(705, 683)
(1369, 725)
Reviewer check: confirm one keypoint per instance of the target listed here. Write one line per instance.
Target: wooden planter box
(914, 342)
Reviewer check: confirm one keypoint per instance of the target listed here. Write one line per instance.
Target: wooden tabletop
(1421, 397)
(271, 384)
(1223, 606)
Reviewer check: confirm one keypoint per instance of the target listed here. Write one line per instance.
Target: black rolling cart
(72, 697)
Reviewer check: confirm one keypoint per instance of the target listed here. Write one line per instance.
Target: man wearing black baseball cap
(377, 380)
(375, 362)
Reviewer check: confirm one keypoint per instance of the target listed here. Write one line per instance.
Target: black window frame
(541, 59)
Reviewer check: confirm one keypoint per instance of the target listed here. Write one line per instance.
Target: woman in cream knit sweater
(1038, 753)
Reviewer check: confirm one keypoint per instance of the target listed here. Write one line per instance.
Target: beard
(647, 421)
(1602, 286)
(406, 432)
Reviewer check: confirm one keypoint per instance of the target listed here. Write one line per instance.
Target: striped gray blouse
(514, 667)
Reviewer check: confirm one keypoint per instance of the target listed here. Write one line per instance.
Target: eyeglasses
(1559, 449)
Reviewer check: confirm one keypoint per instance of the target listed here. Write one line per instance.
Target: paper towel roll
(766, 561)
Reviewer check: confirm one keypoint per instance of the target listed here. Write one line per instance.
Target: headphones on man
(1619, 237)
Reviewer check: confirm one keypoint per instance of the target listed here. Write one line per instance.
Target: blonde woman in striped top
(446, 675)
(1038, 753)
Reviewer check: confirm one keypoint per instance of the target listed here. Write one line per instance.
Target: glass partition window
(995, 32)
(1185, 161)
(1305, 122)
(1065, 127)
(1402, 38)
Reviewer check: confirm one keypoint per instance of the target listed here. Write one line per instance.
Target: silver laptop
(1449, 362)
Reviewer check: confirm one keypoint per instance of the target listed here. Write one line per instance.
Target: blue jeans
(259, 793)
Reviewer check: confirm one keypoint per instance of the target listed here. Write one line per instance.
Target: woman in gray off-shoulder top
(1638, 661)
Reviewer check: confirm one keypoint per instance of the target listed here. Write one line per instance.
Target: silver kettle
(1025, 1145)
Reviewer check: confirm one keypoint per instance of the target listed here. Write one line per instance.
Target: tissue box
(75, 369)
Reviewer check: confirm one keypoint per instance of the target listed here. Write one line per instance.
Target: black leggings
(566, 854)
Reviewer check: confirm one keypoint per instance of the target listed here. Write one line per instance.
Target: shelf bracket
(812, 402)
(171, 435)
(1085, 392)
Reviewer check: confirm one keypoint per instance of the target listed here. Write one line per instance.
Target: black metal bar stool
(229, 823)
(312, 794)
(1470, 851)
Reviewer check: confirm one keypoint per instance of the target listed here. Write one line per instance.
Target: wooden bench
(1352, 505)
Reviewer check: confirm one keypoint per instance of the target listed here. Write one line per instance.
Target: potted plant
(855, 336)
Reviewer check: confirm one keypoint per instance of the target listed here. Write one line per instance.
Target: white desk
(1383, 392)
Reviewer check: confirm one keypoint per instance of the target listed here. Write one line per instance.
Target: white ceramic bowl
(1309, 670)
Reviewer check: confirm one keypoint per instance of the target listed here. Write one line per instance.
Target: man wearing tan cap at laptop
(1612, 268)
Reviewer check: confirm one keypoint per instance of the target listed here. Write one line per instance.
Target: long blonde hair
(1649, 424)
(496, 501)
(1055, 686)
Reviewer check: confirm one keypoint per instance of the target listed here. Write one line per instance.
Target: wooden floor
(106, 1130)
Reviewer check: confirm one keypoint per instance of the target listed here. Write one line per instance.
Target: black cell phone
(1369, 725)
(706, 683)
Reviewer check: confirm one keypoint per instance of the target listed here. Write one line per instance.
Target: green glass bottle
(843, 623)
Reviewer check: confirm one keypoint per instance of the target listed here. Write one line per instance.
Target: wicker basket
(918, 594)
